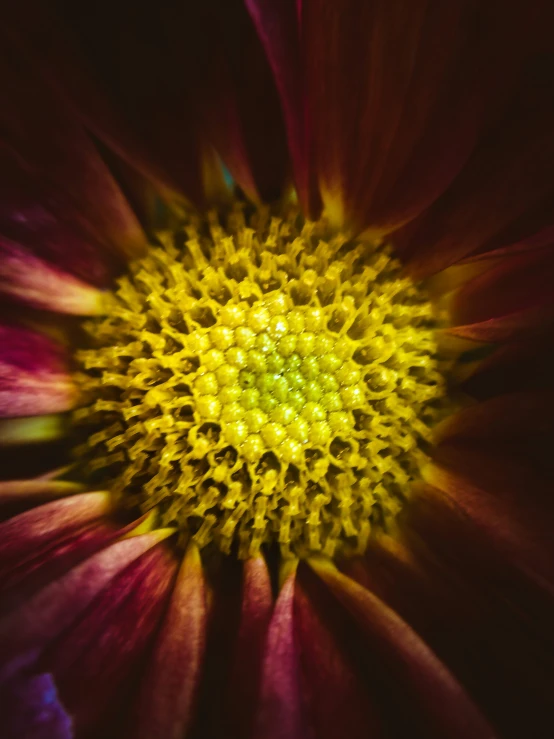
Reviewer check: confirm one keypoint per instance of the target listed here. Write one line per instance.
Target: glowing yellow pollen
(268, 383)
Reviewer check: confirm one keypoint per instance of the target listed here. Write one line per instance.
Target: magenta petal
(445, 708)
(172, 676)
(30, 709)
(33, 378)
(244, 685)
(280, 713)
(60, 602)
(95, 661)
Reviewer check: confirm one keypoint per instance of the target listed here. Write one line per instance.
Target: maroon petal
(60, 602)
(337, 698)
(40, 284)
(280, 713)
(508, 416)
(507, 505)
(33, 376)
(445, 707)
(30, 709)
(171, 683)
(94, 662)
(245, 680)
(516, 283)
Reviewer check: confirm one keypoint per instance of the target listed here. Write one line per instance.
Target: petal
(60, 602)
(171, 682)
(35, 282)
(506, 504)
(96, 659)
(446, 709)
(27, 533)
(337, 697)
(245, 680)
(518, 283)
(30, 708)
(513, 415)
(382, 135)
(33, 378)
(280, 714)
(52, 177)
(38, 488)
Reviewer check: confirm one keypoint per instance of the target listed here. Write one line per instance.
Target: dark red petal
(510, 327)
(94, 661)
(53, 181)
(33, 375)
(60, 602)
(507, 416)
(245, 680)
(517, 283)
(337, 699)
(445, 707)
(280, 713)
(30, 709)
(508, 506)
(507, 178)
(172, 676)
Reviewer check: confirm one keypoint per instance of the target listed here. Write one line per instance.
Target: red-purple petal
(94, 662)
(172, 676)
(61, 602)
(280, 712)
(33, 375)
(244, 683)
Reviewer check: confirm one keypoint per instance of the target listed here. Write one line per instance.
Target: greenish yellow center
(270, 382)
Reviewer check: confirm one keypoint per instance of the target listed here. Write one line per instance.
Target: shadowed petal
(337, 699)
(446, 708)
(52, 176)
(33, 376)
(172, 676)
(513, 415)
(36, 489)
(30, 709)
(280, 714)
(244, 683)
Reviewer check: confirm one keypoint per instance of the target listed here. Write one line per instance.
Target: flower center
(264, 383)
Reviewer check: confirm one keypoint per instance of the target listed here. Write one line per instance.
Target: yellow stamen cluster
(269, 382)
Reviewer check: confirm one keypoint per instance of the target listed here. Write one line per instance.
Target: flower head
(282, 422)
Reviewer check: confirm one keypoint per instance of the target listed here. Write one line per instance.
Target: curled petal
(447, 709)
(33, 378)
(172, 677)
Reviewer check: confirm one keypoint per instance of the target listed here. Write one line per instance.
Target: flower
(276, 461)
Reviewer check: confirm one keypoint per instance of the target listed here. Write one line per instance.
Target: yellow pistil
(264, 383)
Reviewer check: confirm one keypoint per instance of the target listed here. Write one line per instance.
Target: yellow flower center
(264, 383)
